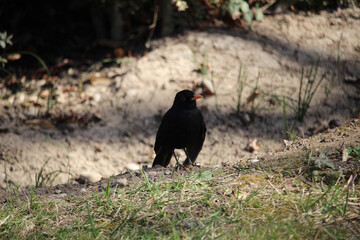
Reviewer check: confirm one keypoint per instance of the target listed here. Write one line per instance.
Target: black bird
(182, 127)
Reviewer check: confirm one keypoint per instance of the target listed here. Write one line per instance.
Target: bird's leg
(177, 161)
(188, 159)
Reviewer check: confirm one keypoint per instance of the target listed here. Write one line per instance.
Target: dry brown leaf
(94, 80)
(14, 56)
(43, 123)
(253, 146)
(119, 53)
(252, 96)
(45, 93)
(97, 148)
(69, 88)
(208, 88)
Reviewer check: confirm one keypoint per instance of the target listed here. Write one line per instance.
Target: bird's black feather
(182, 127)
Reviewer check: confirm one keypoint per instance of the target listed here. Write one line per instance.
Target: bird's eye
(183, 98)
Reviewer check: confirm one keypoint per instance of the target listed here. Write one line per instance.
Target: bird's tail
(162, 158)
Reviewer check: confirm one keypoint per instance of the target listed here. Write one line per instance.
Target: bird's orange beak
(197, 96)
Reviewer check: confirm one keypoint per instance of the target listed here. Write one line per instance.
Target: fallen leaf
(97, 148)
(94, 80)
(253, 146)
(45, 93)
(69, 88)
(43, 123)
(119, 53)
(252, 96)
(208, 88)
(14, 56)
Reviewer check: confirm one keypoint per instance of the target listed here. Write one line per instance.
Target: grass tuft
(205, 203)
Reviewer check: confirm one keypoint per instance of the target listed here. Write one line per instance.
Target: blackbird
(182, 127)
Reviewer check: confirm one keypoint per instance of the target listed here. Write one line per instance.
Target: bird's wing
(203, 128)
(195, 147)
(163, 131)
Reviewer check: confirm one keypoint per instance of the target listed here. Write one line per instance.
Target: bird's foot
(185, 167)
(188, 162)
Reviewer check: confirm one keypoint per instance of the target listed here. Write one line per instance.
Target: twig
(277, 190)
(153, 25)
(267, 5)
(3, 221)
(317, 233)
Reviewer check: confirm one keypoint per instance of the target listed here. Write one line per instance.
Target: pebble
(89, 177)
(335, 123)
(157, 166)
(30, 112)
(189, 225)
(96, 98)
(121, 182)
(58, 191)
(133, 166)
(151, 173)
(2, 175)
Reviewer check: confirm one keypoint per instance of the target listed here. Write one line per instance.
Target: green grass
(309, 83)
(210, 204)
(354, 151)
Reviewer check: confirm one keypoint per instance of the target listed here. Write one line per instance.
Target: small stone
(20, 97)
(96, 98)
(151, 173)
(88, 177)
(157, 166)
(245, 117)
(121, 182)
(83, 190)
(30, 112)
(132, 166)
(58, 191)
(189, 225)
(71, 71)
(334, 123)
(132, 93)
(167, 172)
(45, 93)
(40, 83)
(2, 175)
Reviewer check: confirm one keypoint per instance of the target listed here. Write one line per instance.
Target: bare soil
(109, 127)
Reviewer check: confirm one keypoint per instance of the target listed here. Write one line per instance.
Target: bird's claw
(183, 166)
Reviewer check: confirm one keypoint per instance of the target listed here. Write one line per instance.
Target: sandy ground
(113, 121)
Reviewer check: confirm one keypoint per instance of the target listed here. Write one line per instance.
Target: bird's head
(186, 99)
